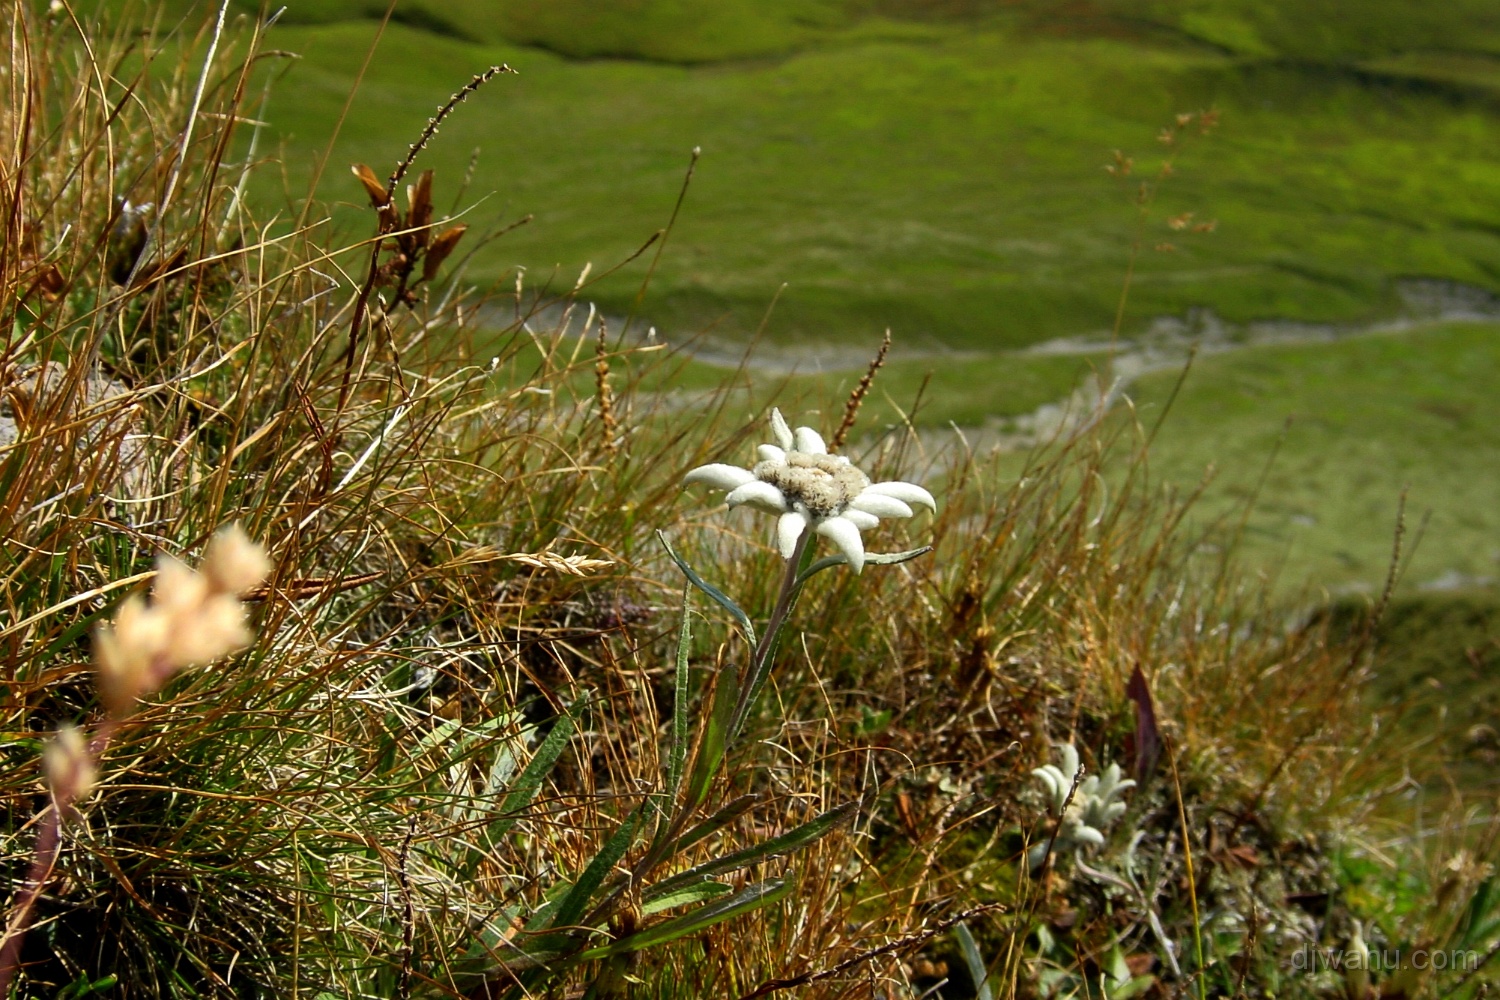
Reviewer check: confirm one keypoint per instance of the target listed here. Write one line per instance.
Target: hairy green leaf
(715, 593)
(792, 840)
(871, 559)
(975, 961)
(747, 900)
(691, 894)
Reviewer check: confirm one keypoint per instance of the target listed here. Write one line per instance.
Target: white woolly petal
(810, 442)
(780, 431)
(1069, 761)
(719, 476)
(761, 496)
(843, 533)
(905, 492)
(770, 453)
(880, 505)
(788, 529)
(1088, 835)
(860, 519)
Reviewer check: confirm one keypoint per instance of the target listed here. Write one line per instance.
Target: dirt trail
(1165, 345)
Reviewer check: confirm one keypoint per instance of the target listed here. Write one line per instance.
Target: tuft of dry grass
(464, 686)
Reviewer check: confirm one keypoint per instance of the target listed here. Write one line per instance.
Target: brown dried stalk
(383, 203)
(603, 395)
(857, 397)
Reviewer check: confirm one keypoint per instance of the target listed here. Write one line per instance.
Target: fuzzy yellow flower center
(823, 484)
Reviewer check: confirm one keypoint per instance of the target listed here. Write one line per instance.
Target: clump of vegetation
(483, 746)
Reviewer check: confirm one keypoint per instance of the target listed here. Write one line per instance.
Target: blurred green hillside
(691, 31)
(933, 167)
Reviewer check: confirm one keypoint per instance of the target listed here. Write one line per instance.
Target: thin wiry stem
(43, 860)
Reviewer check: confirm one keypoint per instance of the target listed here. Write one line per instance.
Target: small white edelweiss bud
(806, 487)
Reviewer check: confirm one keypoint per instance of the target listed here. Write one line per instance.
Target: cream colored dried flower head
(68, 765)
(194, 618)
(798, 480)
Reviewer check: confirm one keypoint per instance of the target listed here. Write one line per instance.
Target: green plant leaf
(541, 763)
(747, 900)
(713, 741)
(1132, 988)
(792, 840)
(871, 559)
(690, 894)
(728, 813)
(577, 899)
(678, 759)
(975, 961)
(715, 593)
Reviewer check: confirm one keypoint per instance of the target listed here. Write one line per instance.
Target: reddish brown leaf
(1147, 732)
(372, 185)
(440, 249)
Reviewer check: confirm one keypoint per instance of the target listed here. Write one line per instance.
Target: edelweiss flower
(797, 479)
(1093, 809)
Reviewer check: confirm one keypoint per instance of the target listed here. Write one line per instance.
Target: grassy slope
(946, 182)
(1362, 419)
(942, 179)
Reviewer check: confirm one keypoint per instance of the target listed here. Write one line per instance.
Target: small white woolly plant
(1085, 814)
(194, 618)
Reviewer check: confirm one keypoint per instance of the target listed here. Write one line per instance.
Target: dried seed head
(68, 765)
(178, 589)
(194, 618)
(215, 628)
(127, 655)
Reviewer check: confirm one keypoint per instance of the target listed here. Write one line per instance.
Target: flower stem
(760, 659)
(48, 847)
(43, 860)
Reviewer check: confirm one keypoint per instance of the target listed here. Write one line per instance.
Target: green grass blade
(975, 961)
(718, 595)
(792, 840)
(747, 900)
(678, 759)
